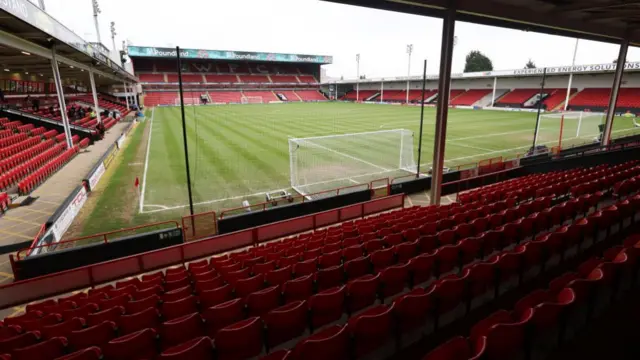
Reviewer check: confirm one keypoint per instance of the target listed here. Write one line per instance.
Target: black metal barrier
(611, 157)
(65, 259)
(253, 219)
(422, 184)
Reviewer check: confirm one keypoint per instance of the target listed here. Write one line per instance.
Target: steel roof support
(60, 93)
(95, 96)
(442, 111)
(615, 89)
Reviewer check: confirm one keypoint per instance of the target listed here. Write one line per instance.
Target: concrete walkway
(22, 224)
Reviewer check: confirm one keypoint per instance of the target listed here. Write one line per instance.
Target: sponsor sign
(120, 141)
(553, 70)
(95, 177)
(227, 55)
(65, 219)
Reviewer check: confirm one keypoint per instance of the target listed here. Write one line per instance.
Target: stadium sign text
(227, 55)
(577, 69)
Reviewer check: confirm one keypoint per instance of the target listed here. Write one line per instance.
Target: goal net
(325, 163)
(251, 100)
(567, 128)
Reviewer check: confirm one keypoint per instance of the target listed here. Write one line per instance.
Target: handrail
(301, 198)
(103, 235)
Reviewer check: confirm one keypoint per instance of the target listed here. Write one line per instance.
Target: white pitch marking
(353, 181)
(158, 206)
(146, 162)
(468, 146)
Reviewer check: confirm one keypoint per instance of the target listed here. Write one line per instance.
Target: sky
(320, 28)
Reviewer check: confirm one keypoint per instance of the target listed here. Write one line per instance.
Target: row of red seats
(37, 177)
(3, 121)
(61, 138)
(82, 121)
(5, 133)
(16, 174)
(227, 312)
(50, 134)
(544, 319)
(172, 284)
(529, 184)
(18, 147)
(25, 128)
(552, 183)
(5, 200)
(12, 139)
(17, 159)
(109, 123)
(470, 97)
(84, 143)
(38, 131)
(12, 125)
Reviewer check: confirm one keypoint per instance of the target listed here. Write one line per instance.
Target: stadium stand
(30, 156)
(187, 78)
(469, 97)
(284, 79)
(265, 95)
(307, 79)
(225, 96)
(291, 95)
(152, 78)
(368, 285)
(516, 97)
(598, 99)
(214, 78)
(556, 97)
(310, 95)
(252, 79)
(364, 95)
(160, 98)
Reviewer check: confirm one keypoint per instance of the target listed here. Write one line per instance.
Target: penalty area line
(146, 162)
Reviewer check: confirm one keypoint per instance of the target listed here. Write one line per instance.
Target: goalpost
(251, 100)
(564, 128)
(328, 162)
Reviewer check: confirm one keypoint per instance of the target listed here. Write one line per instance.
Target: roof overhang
(599, 20)
(25, 27)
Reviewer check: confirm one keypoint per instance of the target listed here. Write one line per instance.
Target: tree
(477, 61)
(530, 65)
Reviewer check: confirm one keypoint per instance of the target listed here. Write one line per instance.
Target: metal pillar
(409, 51)
(493, 97)
(95, 96)
(126, 96)
(573, 63)
(60, 92)
(358, 77)
(381, 91)
(135, 96)
(442, 111)
(615, 89)
(537, 128)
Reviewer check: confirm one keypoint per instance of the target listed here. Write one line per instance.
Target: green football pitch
(240, 152)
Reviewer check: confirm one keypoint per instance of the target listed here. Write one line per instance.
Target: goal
(251, 100)
(324, 163)
(566, 128)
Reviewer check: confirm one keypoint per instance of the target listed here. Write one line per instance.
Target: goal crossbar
(321, 163)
